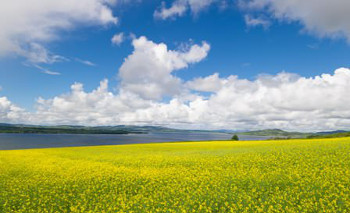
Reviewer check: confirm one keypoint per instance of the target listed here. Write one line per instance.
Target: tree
(235, 138)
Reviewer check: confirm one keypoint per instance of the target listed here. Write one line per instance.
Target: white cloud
(212, 83)
(282, 101)
(36, 53)
(179, 8)
(86, 62)
(10, 112)
(323, 18)
(118, 38)
(285, 100)
(98, 107)
(47, 71)
(147, 72)
(28, 25)
(256, 21)
(199, 5)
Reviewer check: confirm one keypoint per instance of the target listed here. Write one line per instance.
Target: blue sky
(237, 48)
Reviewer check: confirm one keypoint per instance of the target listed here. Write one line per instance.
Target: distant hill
(330, 132)
(336, 134)
(131, 129)
(276, 133)
(20, 128)
(69, 129)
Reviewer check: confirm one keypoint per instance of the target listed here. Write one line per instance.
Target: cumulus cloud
(147, 72)
(212, 83)
(323, 18)
(97, 107)
(179, 7)
(118, 38)
(27, 25)
(9, 112)
(285, 100)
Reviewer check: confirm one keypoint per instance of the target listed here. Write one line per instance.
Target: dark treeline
(334, 135)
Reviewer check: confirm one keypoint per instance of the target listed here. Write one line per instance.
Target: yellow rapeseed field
(255, 176)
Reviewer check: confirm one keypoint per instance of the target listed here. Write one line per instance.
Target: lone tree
(235, 138)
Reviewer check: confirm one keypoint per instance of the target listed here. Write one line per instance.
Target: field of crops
(260, 176)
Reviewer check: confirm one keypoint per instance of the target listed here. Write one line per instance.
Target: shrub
(235, 138)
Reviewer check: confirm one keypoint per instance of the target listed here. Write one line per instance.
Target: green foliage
(276, 133)
(64, 130)
(334, 135)
(235, 138)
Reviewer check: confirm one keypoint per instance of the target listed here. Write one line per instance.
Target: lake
(32, 141)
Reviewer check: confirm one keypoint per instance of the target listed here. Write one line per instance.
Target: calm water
(30, 141)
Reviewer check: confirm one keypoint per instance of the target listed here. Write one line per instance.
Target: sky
(193, 64)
